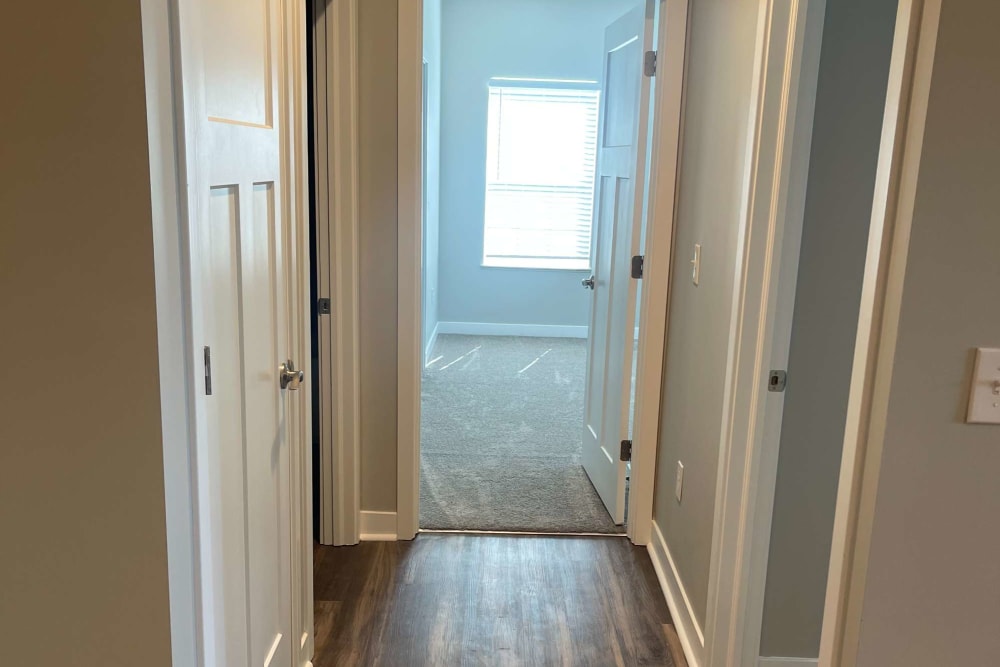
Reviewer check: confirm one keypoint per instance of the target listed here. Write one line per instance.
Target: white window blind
(541, 158)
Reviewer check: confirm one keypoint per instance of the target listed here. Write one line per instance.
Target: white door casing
(785, 72)
(901, 145)
(337, 251)
(232, 145)
(617, 220)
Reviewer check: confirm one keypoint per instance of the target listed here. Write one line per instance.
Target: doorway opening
(535, 116)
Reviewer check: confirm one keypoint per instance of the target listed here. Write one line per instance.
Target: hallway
(491, 600)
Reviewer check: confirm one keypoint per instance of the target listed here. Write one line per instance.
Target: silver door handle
(289, 377)
(588, 283)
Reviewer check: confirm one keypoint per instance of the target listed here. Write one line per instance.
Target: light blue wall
(432, 186)
(481, 39)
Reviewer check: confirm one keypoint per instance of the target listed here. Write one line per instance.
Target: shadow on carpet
(502, 419)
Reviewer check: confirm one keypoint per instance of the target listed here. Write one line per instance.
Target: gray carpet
(501, 427)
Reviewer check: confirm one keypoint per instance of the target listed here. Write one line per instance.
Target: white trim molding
(503, 329)
(787, 662)
(173, 302)
(409, 188)
(335, 32)
(295, 209)
(908, 93)
(786, 70)
(651, 331)
(681, 612)
(378, 526)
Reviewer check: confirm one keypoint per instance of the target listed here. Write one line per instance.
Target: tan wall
(378, 211)
(717, 106)
(850, 100)
(83, 547)
(933, 595)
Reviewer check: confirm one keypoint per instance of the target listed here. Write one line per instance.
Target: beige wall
(378, 211)
(83, 547)
(850, 99)
(933, 595)
(716, 114)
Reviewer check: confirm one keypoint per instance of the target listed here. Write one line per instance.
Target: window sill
(521, 267)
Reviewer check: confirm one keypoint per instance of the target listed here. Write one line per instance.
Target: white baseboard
(787, 662)
(378, 527)
(690, 633)
(498, 329)
(430, 343)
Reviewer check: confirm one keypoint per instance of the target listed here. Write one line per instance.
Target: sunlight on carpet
(501, 428)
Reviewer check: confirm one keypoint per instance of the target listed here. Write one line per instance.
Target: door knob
(588, 283)
(289, 377)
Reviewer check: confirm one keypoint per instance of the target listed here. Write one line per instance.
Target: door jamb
(663, 165)
(335, 58)
(907, 99)
(179, 381)
(786, 72)
(409, 355)
(175, 349)
(665, 125)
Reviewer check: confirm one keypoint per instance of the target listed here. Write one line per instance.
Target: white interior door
(617, 221)
(233, 150)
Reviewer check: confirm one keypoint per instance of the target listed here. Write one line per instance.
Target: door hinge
(637, 264)
(208, 371)
(323, 306)
(649, 63)
(626, 452)
(777, 380)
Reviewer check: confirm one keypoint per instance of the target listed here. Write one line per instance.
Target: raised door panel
(621, 88)
(266, 463)
(238, 61)
(222, 460)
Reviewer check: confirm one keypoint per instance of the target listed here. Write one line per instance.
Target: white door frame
(179, 378)
(907, 98)
(786, 70)
(409, 174)
(668, 92)
(665, 128)
(335, 82)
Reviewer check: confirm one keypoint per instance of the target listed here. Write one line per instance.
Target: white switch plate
(696, 264)
(984, 401)
(679, 484)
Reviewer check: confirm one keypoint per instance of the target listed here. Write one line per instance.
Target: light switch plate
(984, 401)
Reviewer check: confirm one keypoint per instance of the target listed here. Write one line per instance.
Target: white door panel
(617, 221)
(232, 141)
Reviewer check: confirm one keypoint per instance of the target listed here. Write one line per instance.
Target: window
(541, 157)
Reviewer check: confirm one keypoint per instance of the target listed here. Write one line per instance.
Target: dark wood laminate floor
(490, 600)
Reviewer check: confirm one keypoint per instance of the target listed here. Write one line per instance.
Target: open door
(617, 222)
(233, 143)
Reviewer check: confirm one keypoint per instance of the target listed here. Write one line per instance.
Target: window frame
(536, 263)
